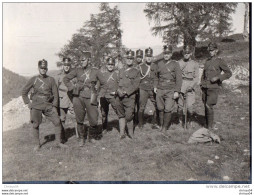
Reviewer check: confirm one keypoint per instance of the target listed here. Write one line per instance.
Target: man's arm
(227, 72)
(67, 79)
(57, 78)
(179, 80)
(55, 93)
(100, 85)
(26, 90)
(135, 84)
(155, 76)
(202, 76)
(196, 75)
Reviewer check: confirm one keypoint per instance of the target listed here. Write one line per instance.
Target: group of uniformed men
(165, 83)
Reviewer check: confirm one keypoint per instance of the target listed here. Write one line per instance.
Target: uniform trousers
(125, 107)
(82, 106)
(164, 100)
(144, 96)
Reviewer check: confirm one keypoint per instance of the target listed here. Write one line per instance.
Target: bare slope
(12, 85)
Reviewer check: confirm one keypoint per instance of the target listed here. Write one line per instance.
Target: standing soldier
(108, 80)
(139, 60)
(190, 75)
(64, 96)
(167, 85)
(84, 97)
(211, 81)
(147, 75)
(44, 101)
(128, 85)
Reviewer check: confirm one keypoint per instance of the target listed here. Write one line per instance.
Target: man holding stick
(190, 75)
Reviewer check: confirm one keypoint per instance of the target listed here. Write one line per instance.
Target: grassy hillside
(12, 85)
(151, 156)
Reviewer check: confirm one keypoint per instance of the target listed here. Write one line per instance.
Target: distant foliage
(187, 22)
(101, 34)
(12, 85)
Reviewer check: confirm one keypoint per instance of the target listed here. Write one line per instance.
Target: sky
(34, 31)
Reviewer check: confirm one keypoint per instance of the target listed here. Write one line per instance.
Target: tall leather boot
(36, 138)
(161, 118)
(167, 119)
(130, 127)
(136, 117)
(81, 133)
(210, 118)
(63, 137)
(140, 120)
(122, 124)
(190, 120)
(104, 124)
(206, 117)
(181, 117)
(155, 121)
(91, 133)
(58, 133)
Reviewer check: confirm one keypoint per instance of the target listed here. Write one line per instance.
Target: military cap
(187, 49)
(139, 53)
(149, 52)
(43, 64)
(167, 49)
(130, 54)
(86, 54)
(212, 46)
(66, 61)
(111, 60)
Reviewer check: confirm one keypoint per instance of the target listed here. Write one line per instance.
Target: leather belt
(188, 79)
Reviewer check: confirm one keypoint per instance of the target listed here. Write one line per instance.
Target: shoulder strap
(111, 77)
(147, 72)
(185, 64)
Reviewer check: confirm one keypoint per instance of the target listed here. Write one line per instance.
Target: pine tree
(187, 22)
(100, 34)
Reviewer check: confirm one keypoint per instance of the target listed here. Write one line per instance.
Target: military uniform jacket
(212, 68)
(64, 100)
(129, 78)
(190, 74)
(168, 75)
(147, 76)
(45, 93)
(108, 82)
(86, 79)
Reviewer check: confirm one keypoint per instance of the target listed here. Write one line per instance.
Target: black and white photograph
(125, 92)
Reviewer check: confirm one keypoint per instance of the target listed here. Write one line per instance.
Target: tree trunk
(246, 22)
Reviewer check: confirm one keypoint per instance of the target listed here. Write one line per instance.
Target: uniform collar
(166, 61)
(148, 64)
(187, 60)
(63, 72)
(43, 76)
